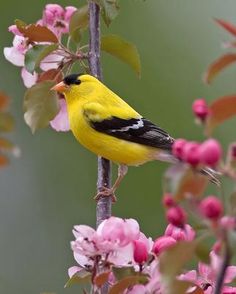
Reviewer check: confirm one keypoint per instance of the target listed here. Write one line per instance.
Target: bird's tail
(212, 174)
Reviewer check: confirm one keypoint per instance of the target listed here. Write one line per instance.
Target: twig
(221, 275)
(104, 166)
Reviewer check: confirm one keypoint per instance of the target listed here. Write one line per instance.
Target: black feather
(140, 131)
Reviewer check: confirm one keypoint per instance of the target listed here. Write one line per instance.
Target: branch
(104, 166)
(222, 271)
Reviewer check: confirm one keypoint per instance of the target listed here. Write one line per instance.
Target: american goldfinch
(106, 125)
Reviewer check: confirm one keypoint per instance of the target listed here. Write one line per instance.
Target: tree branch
(222, 270)
(104, 166)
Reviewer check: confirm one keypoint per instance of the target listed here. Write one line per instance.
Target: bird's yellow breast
(112, 148)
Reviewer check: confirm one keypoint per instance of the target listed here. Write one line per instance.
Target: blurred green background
(51, 187)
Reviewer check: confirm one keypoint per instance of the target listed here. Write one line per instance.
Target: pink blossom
(210, 152)
(73, 270)
(116, 232)
(186, 233)
(28, 78)
(211, 207)
(15, 54)
(162, 243)
(69, 11)
(176, 216)
(57, 19)
(61, 120)
(84, 242)
(207, 275)
(200, 109)
(13, 29)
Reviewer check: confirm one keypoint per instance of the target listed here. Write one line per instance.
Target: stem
(104, 165)
(222, 271)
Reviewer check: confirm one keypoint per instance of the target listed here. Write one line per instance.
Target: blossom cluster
(119, 243)
(56, 19)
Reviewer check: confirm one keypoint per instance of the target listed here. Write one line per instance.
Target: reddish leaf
(37, 33)
(51, 75)
(4, 101)
(184, 181)
(3, 160)
(220, 110)
(6, 122)
(218, 65)
(101, 279)
(229, 27)
(6, 144)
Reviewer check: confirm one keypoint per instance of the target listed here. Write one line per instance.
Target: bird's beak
(60, 87)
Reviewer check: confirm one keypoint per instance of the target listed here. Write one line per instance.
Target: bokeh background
(50, 187)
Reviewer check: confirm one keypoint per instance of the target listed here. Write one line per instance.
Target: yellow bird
(106, 125)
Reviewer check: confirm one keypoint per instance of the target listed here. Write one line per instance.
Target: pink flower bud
(210, 152)
(176, 216)
(140, 252)
(200, 109)
(168, 200)
(180, 234)
(228, 222)
(162, 243)
(177, 148)
(211, 207)
(191, 153)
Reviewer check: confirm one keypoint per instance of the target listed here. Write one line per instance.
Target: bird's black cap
(72, 79)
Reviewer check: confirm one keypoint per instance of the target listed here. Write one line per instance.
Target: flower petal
(28, 78)
(14, 56)
(60, 123)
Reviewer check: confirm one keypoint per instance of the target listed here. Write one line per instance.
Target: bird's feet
(108, 192)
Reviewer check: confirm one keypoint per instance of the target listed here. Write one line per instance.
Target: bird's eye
(77, 82)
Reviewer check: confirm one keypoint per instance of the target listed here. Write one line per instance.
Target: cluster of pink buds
(207, 153)
(175, 214)
(200, 109)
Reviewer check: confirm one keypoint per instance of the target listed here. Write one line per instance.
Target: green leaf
(80, 277)
(20, 25)
(36, 54)
(76, 36)
(123, 50)
(202, 251)
(180, 253)
(78, 21)
(109, 9)
(40, 105)
(127, 282)
(122, 272)
(220, 110)
(6, 122)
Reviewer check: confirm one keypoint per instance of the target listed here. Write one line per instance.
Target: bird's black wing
(137, 130)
